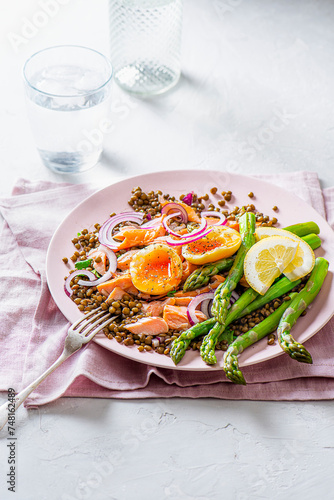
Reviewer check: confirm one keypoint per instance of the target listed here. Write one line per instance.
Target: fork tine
(84, 318)
(98, 329)
(96, 323)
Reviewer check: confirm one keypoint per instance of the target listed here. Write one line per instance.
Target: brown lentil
(271, 339)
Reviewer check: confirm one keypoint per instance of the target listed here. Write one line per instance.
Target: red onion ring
(234, 297)
(204, 300)
(194, 303)
(80, 272)
(188, 239)
(222, 219)
(152, 224)
(175, 206)
(166, 219)
(110, 255)
(105, 233)
(95, 281)
(206, 307)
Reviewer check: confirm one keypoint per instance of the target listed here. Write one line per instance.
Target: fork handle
(8, 407)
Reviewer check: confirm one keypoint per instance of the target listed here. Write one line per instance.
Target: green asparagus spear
(201, 276)
(224, 291)
(282, 286)
(304, 228)
(234, 313)
(268, 325)
(239, 305)
(181, 344)
(313, 240)
(298, 305)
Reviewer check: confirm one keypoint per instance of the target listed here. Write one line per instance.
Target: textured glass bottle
(145, 37)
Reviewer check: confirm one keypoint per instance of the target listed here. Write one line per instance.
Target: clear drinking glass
(68, 89)
(145, 39)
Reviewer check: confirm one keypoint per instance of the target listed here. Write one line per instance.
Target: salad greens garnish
(83, 264)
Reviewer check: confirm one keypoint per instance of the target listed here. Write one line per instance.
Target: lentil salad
(130, 307)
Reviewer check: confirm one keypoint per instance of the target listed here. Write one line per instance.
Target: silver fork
(80, 333)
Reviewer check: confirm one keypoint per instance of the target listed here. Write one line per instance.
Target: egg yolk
(156, 269)
(220, 243)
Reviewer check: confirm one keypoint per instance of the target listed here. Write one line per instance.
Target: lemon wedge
(304, 259)
(267, 259)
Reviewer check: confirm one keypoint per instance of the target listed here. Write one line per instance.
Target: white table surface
(256, 96)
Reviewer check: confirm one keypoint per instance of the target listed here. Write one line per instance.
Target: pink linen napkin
(33, 329)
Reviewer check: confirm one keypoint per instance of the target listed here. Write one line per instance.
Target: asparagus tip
(236, 377)
(302, 355)
(231, 368)
(208, 356)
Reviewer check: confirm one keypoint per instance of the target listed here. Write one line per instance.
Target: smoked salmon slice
(156, 307)
(132, 236)
(148, 326)
(122, 281)
(117, 294)
(123, 261)
(182, 301)
(177, 319)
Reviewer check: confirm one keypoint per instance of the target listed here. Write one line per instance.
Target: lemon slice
(221, 242)
(304, 260)
(265, 231)
(267, 259)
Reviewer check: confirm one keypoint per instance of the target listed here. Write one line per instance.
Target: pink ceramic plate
(114, 198)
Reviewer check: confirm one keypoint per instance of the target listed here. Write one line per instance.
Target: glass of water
(145, 40)
(68, 92)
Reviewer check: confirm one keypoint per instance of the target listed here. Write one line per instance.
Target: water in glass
(68, 89)
(67, 130)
